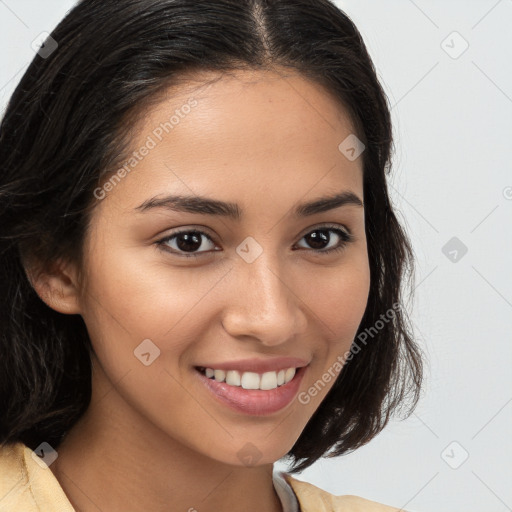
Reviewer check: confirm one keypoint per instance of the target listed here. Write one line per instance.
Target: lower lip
(256, 402)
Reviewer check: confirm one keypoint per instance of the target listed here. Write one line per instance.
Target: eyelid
(327, 225)
(203, 230)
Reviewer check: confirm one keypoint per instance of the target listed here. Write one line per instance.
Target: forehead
(244, 133)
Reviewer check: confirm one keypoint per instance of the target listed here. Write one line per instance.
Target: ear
(57, 286)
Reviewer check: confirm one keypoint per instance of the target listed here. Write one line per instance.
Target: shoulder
(27, 484)
(13, 477)
(314, 499)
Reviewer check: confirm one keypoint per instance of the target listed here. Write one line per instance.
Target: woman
(202, 268)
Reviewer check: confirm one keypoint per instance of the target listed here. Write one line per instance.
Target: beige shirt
(28, 485)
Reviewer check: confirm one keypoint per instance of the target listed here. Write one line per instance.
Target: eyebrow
(207, 206)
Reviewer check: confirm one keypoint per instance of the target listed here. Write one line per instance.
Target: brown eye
(186, 243)
(320, 238)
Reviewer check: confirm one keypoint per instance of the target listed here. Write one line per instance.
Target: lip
(256, 402)
(257, 365)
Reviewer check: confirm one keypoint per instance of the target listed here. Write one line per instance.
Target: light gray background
(452, 178)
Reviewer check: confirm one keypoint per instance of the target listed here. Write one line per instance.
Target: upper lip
(258, 365)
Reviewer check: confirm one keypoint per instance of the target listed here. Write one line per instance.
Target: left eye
(320, 236)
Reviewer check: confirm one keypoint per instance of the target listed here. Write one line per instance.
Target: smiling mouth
(250, 380)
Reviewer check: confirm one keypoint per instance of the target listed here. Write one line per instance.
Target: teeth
(251, 380)
(233, 378)
(268, 380)
(220, 375)
(288, 376)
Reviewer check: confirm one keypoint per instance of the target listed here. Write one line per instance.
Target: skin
(153, 438)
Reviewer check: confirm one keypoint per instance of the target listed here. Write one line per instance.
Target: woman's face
(257, 287)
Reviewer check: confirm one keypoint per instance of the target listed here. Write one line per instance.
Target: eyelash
(346, 238)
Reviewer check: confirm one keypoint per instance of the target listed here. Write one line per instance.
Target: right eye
(184, 242)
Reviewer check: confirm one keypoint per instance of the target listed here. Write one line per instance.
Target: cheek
(140, 292)
(337, 298)
(133, 298)
(338, 301)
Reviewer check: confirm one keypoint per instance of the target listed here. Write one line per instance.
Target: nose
(262, 304)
